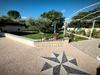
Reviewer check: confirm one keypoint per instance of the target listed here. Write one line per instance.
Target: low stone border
(24, 40)
(52, 43)
(28, 41)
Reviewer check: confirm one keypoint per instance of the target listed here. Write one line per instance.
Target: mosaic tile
(59, 64)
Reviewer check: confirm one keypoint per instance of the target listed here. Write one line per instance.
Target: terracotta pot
(55, 37)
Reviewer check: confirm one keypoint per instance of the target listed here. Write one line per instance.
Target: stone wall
(20, 39)
(33, 42)
(51, 43)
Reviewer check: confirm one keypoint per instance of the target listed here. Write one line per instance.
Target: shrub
(82, 32)
(76, 32)
(22, 21)
(72, 31)
(71, 36)
(88, 33)
(66, 35)
(8, 21)
(98, 34)
(94, 33)
(56, 34)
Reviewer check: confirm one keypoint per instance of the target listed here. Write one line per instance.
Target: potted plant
(43, 38)
(55, 36)
(66, 35)
(71, 36)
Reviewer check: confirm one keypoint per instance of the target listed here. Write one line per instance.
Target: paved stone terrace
(19, 59)
(91, 47)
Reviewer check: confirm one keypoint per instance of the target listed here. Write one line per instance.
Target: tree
(43, 24)
(84, 24)
(80, 15)
(40, 24)
(4, 17)
(21, 21)
(14, 14)
(54, 16)
(30, 22)
(79, 24)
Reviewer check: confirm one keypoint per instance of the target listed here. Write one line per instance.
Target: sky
(35, 8)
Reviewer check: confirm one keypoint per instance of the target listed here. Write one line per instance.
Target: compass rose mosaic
(60, 64)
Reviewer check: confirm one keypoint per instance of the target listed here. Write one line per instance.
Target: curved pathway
(91, 47)
(19, 59)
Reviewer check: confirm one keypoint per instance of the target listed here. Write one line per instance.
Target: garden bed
(36, 35)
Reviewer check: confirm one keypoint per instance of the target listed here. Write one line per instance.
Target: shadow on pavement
(98, 71)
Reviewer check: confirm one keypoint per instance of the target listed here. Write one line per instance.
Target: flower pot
(55, 37)
(43, 38)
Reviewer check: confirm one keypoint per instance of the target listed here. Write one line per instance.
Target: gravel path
(91, 47)
(19, 59)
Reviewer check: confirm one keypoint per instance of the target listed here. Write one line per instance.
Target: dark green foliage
(22, 21)
(71, 36)
(76, 32)
(56, 34)
(54, 16)
(96, 34)
(14, 14)
(79, 24)
(9, 21)
(74, 37)
(82, 32)
(84, 24)
(80, 15)
(5, 21)
(4, 16)
(72, 31)
(66, 35)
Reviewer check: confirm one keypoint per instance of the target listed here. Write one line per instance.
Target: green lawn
(39, 36)
(78, 38)
(36, 35)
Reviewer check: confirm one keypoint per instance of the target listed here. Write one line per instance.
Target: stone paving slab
(91, 47)
(20, 59)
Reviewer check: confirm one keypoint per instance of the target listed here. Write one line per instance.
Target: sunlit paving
(50, 37)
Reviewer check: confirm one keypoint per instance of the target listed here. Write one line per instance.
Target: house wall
(70, 28)
(12, 28)
(86, 29)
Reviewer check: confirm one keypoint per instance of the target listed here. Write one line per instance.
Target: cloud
(66, 18)
(63, 11)
(23, 17)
